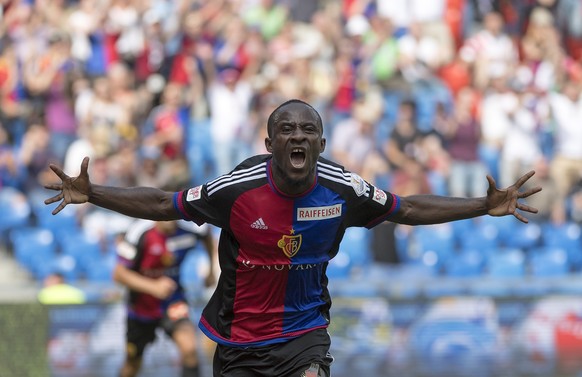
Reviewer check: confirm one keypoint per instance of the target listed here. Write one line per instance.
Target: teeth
(297, 150)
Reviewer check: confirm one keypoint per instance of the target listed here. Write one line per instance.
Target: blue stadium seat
(523, 236)
(461, 228)
(84, 249)
(15, 211)
(466, 263)
(339, 267)
(64, 223)
(482, 237)
(67, 266)
(438, 239)
(407, 281)
(356, 245)
(34, 248)
(194, 267)
(567, 236)
(402, 242)
(453, 347)
(504, 225)
(101, 271)
(548, 261)
(506, 263)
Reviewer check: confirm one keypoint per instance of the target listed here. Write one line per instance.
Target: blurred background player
(149, 261)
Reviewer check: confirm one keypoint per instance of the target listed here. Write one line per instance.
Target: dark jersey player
(149, 263)
(282, 216)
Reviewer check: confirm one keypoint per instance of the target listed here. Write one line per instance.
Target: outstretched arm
(140, 202)
(433, 209)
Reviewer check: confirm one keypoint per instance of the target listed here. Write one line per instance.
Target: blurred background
(416, 97)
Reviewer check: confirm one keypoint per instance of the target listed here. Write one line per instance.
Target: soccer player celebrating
(282, 216)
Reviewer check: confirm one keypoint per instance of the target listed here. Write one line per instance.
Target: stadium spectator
(230, 89)
(489, 49)
(82, 23)
(13, 107)
(56, 291)
(550, 207)
(462, 134)
(33, 155)
(574, 203)
(402, 146)
(542, 56)
(266, 15)
(48, 79)
(566, 110)
(521, 148)
(353, 142)
(496, 110)
(8, 161)
(164, 128)
(149, 264)
(299, 202)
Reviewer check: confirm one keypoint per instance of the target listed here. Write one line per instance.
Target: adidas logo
(259, 224)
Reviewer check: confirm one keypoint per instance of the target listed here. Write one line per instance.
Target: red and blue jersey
(152, 253)
(274, 249)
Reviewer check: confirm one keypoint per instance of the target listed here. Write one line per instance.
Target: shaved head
(274, 117)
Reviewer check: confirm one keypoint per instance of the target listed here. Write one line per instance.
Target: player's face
(296, 143)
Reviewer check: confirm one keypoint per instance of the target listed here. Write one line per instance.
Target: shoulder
(257, 160)
(341, 180)
(248, 173)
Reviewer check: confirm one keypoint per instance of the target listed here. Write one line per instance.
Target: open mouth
(298, 158)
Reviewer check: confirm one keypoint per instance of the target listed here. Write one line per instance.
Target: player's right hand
(73, 190)
(163, 287)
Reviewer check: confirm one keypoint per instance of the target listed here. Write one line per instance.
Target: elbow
(406, 215)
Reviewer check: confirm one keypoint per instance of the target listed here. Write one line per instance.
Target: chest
(271, 229)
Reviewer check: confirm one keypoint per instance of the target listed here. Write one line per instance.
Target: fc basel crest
(290, 244)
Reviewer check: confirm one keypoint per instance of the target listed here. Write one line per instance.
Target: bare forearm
(433, 209)
(132, 280)
(140, 202)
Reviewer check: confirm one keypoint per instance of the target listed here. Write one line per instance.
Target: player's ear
(323, 144)
(268, 145)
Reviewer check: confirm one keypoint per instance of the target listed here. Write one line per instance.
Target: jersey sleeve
(369, 205)
(196, 205)
(213, 201)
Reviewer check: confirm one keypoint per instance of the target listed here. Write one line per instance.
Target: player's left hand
(501, 202)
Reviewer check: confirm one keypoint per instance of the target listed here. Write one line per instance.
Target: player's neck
(291, 186)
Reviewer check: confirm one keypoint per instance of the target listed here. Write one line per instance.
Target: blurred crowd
(416, 96)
